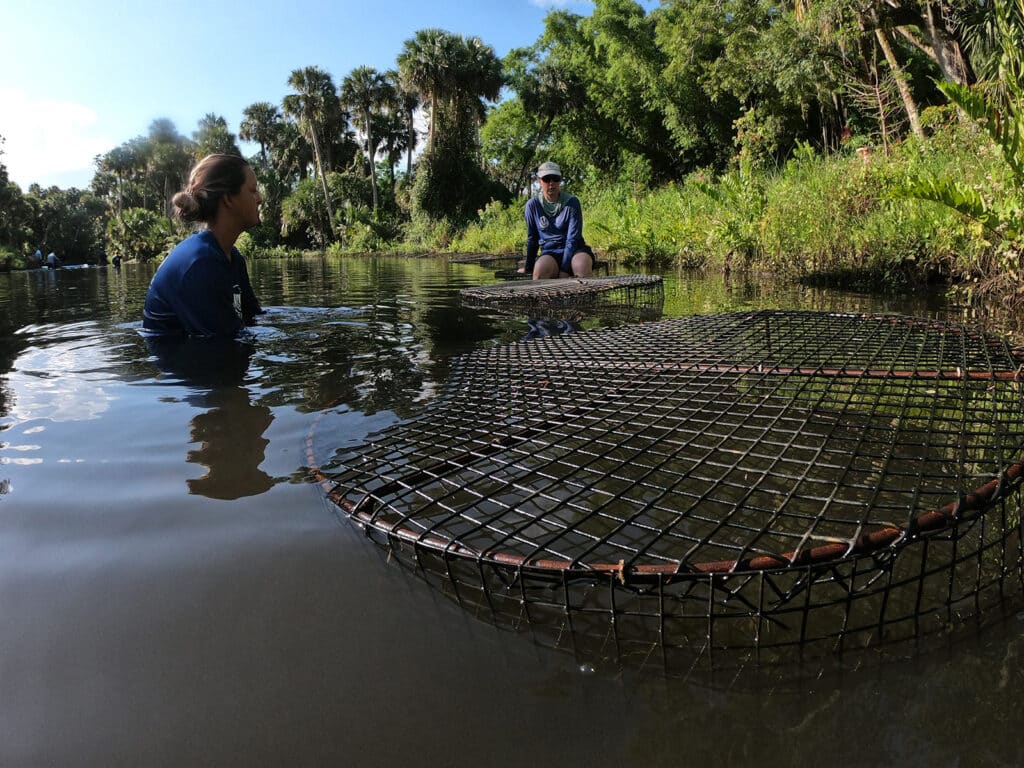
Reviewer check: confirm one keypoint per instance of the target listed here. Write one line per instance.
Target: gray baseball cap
(549, 169)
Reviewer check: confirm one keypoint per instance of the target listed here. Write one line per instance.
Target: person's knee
(545, 268)
(582, 264)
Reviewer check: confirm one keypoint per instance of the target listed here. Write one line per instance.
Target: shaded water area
(175, 590)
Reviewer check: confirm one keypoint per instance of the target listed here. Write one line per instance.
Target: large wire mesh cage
(493, 260)
(633, 297)
(513, 273)
(758, 480)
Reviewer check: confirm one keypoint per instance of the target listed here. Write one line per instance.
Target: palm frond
(1004, 124)
(960, 197)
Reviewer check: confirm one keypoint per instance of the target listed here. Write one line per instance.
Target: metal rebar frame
(486, 259)
(633, 296)
(513, 273)
(762, 480)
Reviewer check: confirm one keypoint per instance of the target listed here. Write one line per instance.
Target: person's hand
(521, 270)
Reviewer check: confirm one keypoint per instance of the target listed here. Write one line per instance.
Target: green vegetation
(997, 203)
(824, 216)
(812, 140)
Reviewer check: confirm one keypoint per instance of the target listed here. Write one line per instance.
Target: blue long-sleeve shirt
(560, 236)
(193, 293)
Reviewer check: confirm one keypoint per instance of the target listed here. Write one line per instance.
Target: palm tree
(170, 155)
(260, 123)
(291, 152)
(365, 91)
(312, 105)
(393, 139)
(547, 92)
(451, 73)
(479, 77)
(118, 162)
(212, 136)
(426, 66)
(406, 103)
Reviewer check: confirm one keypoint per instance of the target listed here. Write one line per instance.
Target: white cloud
(48, 142)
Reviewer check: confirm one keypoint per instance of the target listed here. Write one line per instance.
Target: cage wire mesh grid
(635, 296)
(754, 480)
(513, 273)
(486, 259)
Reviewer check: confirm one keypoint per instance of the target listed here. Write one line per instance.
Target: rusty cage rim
(362, 509)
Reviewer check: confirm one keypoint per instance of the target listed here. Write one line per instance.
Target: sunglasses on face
(551, 179)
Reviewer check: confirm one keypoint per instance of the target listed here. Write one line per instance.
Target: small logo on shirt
(543, 222)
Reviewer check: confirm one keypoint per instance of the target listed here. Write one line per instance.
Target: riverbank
(828, 219)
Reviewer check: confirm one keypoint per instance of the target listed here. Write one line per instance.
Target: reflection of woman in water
(232, 445)
(230, 428)
(202, 288)
(543, 326)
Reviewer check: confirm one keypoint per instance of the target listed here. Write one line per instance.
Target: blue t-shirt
(560, 235)
(198, 291)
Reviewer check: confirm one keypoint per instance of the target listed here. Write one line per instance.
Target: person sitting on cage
(554, 230)
(202, 288)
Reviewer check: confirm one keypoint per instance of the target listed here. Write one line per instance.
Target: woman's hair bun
(211, 179)
(186, 207)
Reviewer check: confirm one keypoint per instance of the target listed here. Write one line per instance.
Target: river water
(176, 592)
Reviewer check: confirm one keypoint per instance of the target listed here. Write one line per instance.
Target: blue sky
(79, 77)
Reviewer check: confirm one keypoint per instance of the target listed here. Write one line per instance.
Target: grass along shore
(837, 217)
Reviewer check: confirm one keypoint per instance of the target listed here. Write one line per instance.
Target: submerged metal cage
(514, 274)
(756, 480)
(487, 259)
(635, 296)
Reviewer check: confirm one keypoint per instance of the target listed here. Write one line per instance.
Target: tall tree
(169, 158)
(118, 162)
(213, 137)
(394, 139)
(312, 105)
(291, 153)
(935, 28)
(261, 122)
(426, 65)
(122, 177)
(544, 92)
(407, 101)
(366, 91)
(15, 211)
(454, 76)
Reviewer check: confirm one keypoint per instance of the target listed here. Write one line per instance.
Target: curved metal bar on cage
(636, 296)
(514, 273)
(749, 470)
(486, 259)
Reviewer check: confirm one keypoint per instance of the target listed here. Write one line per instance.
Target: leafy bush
(141, 234)
(250, 247)
(452, 185)
(426, 235)
(11, 259)
(499, 228)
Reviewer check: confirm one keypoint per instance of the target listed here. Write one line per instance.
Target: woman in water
(202, 288)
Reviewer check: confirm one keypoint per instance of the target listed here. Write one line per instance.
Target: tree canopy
(620, 94)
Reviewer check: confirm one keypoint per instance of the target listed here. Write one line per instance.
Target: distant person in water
(202, 288)
(52, 261)
(554, 231)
